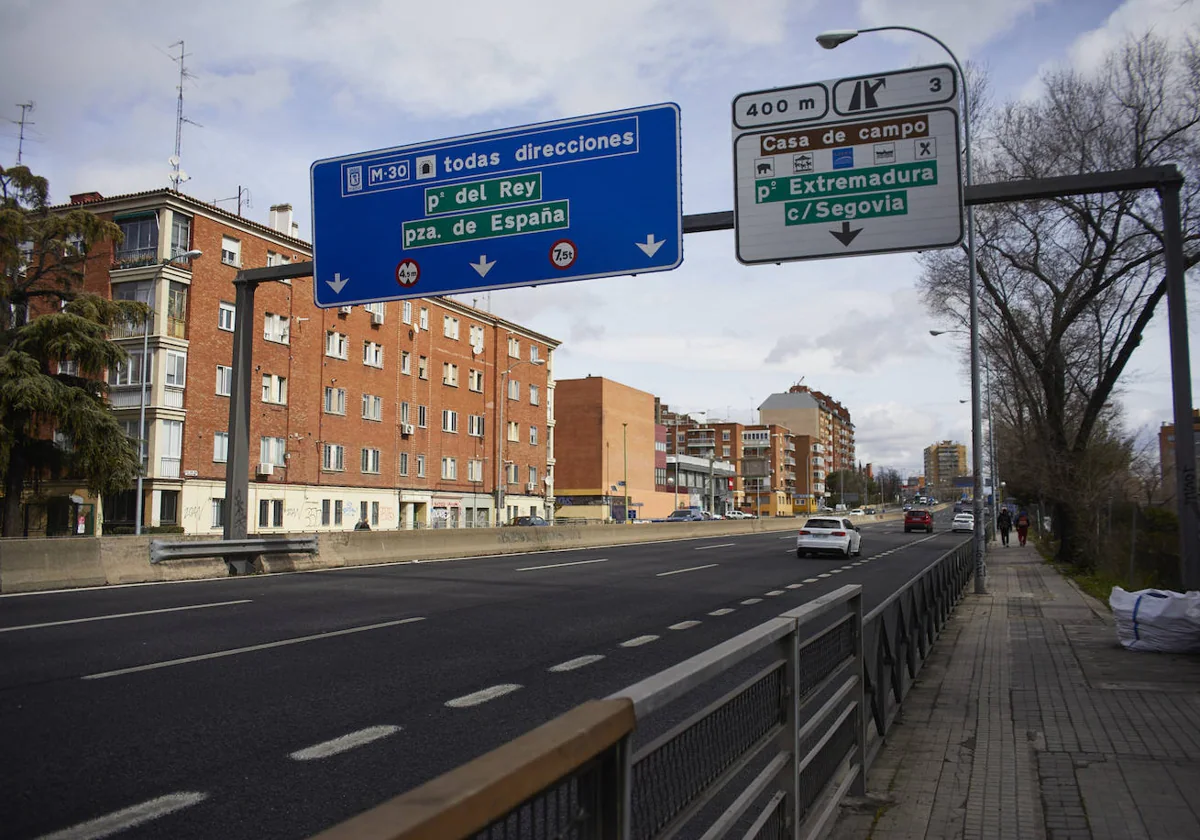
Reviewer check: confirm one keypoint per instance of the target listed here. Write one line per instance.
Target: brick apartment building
(944, 462)
(388, 412)
(1166, 454)
(809, 412)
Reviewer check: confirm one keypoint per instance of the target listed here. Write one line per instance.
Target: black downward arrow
(845, 235)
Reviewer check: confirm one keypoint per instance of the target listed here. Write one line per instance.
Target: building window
(140, 243)
(510, 473)
(333, 457)
(422, 368)
(374, 513)
(377, 311)
(370, 461)
(407, 318)
(450, 421)
(423, 319)
(168, 507)
(129, 372)
(176, 369)
(660, 476)
(68, 367)
(271, 450)
(226, 313)
(450, 374)
(475, 381)
(336, 345)
(476, 333)
(277, 259)
(514, 348)
(533, 475)
(404, 413)
(270, 513)
(177, 297)
(275, 328)
(534, 354)
(725, 435)
(403, 463)
(218, 513)
(224, 381)
(474, 470)
(220, 447)
(450, 468)
(535, 395)
(274, 389)
(337, 512)
(422, 416)
(533, 435)
(450, 327)
(406, 362)
(372, 354)
(724, 451)
(335, 400)
(325, 511)
(231, 251)
(514, 389)
(514, 431)
(475, 425)
(372, 407)
(420, 466)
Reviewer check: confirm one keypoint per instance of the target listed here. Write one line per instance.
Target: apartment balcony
(168, 468)
(709, 442)
(789, 461)
(131, 397)
(818, 488)
(135, 257)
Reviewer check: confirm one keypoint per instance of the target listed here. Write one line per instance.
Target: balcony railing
(125, 397)
(176, 328)
(168, 468)
(173, 398)
(127, 329)
(135, 257)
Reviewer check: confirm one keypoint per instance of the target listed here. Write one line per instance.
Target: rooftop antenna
(26, 107)
(243, 197)
(178, 176)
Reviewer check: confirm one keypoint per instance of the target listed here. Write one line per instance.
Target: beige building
(944, 462)
(826, 421)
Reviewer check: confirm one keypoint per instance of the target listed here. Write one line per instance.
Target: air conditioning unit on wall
(265, 469)
(406, 428)
(531, 487)
(376, 318)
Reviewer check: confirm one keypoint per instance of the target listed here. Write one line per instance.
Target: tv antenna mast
(243, 197)
(26, 108)
(178, 176)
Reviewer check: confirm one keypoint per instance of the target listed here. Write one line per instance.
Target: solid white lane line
(683, 625)
(718, 545)
(638, 641)
(560, 565)
(577, 662)
(690, 569)
(750, 601)
(121, 615)
(722, 611)
(483, 696)
(343, 743)
(810, 580)
(795, 586)
(154, 666)
(127, 818)
(775, 592)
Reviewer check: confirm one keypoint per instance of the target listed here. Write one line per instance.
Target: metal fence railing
(776, 726)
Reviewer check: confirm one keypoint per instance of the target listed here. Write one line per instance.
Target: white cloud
(965, 27)
(1170, 19)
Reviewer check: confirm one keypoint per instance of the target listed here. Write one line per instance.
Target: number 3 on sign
(563, 253)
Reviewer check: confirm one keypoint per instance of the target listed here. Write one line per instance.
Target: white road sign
(863, 165)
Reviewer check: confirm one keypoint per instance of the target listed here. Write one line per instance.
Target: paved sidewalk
(1030, 721)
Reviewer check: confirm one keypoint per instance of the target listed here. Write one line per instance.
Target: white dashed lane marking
(344, 743)
(683, 625)
(722, 611)
(718, 545)
(468, 700)
(561, 565)
(577, 662)
(795, 586)
(775, 592)
(638, 641)
(837, 571)
(824, 575)
(121, 615)
(689, 569)
(810, 580)
(128, 818)
(750, 601)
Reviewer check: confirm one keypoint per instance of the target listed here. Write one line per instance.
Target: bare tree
(1070, 285)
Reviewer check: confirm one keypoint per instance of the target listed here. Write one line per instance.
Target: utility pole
(625, 455)
(26, 108)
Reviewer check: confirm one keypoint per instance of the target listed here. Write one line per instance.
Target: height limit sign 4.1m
(862, 165)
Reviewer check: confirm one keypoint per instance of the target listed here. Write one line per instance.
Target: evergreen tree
(46, 317)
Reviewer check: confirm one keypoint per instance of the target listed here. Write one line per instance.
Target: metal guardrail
(771, 757)
(238, 553)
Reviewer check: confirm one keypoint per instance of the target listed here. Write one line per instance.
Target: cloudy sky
(280, 83)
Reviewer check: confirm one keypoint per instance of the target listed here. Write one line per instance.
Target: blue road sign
(590, 197)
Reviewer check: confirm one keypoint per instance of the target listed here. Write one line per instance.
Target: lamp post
(625, 459)
(143, 450)
(830, 40)
(987, 370)
(502, 433)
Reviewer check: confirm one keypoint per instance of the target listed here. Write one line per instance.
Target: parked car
(856, 512)
(685, 515)
(535, 521)
(708, 515)
(919, 519)
(828, 535)
(963, 522)
(739, 514)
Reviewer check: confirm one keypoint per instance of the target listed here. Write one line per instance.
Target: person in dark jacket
(1022, 526)
(362, 525)
(1004, 525)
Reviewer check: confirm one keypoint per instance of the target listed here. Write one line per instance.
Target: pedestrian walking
(362, 525)
(1022, 526)
(1004, 525)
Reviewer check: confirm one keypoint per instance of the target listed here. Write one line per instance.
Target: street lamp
(142, 448)
(502, 433)
(830, 40)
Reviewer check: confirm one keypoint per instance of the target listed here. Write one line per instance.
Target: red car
(919, 519)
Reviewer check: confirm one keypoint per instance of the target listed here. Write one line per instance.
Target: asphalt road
(277, 706)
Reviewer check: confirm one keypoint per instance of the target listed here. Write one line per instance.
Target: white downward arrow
(650, 247)
(337, 283)
(483, 266)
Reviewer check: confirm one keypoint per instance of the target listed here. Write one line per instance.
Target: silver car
(828, 535)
